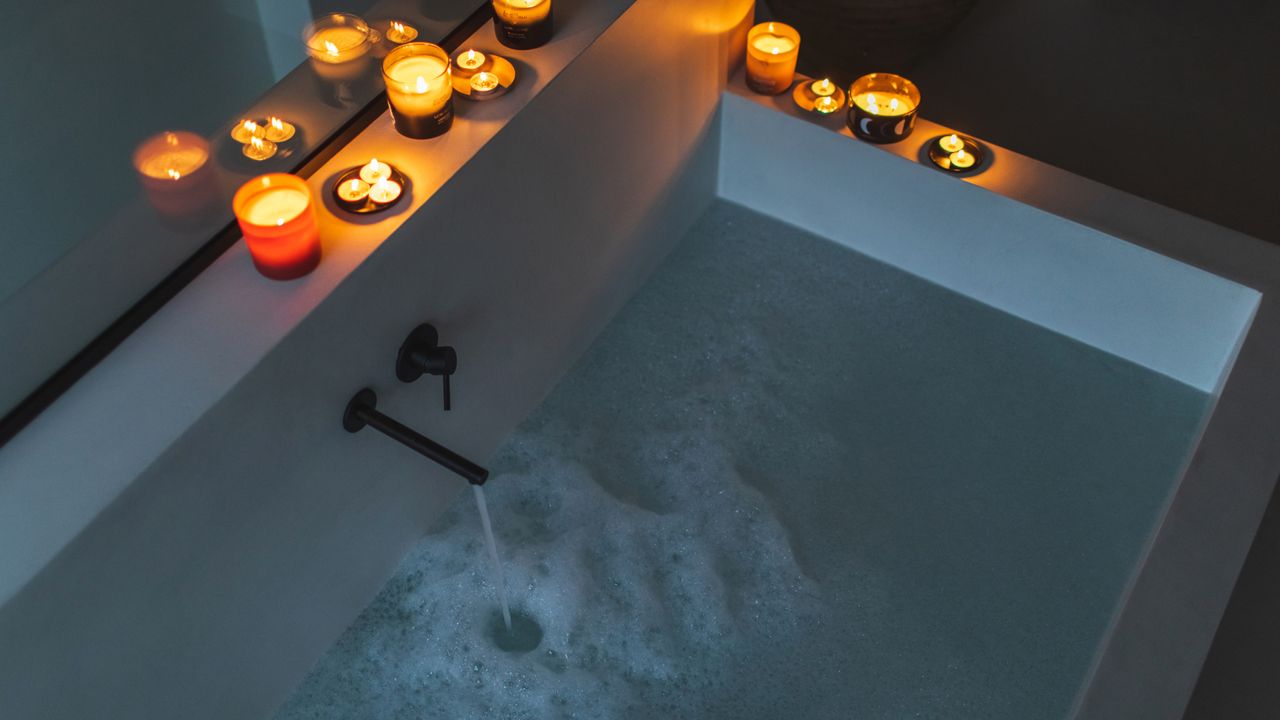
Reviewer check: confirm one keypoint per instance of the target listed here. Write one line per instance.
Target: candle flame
(279, 222)
(893, 104)
(250, 126)
(398, 26)
(173, 174)
(355, 185)
(171, 139)
(256, 142)
(422, 84)
(276, 123)
(471, 59)
(823, 87)
(953, 140)
(330, 48)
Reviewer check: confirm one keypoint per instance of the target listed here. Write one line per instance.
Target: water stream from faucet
(499, 580)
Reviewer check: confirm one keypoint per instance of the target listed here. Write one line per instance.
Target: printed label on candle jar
(421, 127)
(522, 30)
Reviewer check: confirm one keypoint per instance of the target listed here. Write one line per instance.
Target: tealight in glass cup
(419, 89)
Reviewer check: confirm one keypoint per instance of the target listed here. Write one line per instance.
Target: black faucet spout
(362, 411)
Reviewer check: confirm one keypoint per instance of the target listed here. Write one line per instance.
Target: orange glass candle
(772, 50)
(173, 168)
(278, 218)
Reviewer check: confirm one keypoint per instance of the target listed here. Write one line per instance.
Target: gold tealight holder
(820, 97)
(482, 76)
(956, 153)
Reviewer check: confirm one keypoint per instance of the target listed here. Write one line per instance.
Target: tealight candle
(173, 168)
(819, 96)
(961, 159)
(470, 61)
(374, 171)
(522, 24)
(772, 49)
(483, 83)
(278, 219)
(951, 143)
(883, 107)
(259, 149)
(385, 191)
(956, 153)
(353, 191)
(278, 131)
(338, 45)
(419, 89)
(826, 105)
(399, 32)
(246, 130)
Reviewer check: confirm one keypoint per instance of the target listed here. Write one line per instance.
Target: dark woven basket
(848, 38)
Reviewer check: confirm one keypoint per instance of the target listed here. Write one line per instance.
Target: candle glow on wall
(522, 24)
(278, 219)
(772, 50)
(882, 107)
(419, 89)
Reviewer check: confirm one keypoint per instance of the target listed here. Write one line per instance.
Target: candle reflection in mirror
(338, 45)
(259, 149)
(400, 33)
(173, 168)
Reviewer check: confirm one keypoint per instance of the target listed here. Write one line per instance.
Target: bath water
(788, 481)
(499, 579)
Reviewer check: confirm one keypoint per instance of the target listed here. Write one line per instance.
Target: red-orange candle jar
(278, 217)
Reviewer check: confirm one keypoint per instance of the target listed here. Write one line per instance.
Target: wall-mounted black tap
(362, 410)
(421, 353)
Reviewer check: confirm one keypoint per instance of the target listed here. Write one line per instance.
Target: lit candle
(772, 49)
(173, 169)
(374, 171)
(385, 191)
(522, 24)
(246, 130)
(278, 219)
(483, 83)
(956, 153)
(951, 143)
(826, 105)
(470, 61)
(259, 149)
(278, 131)
(338, 45)
(961, 159)
(353, 191)
(401, 33)
(821, 97)
(419, 89)
(883, 107)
